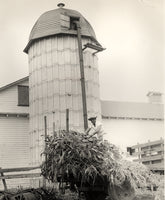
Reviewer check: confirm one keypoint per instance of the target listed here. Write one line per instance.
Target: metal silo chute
(96, 48)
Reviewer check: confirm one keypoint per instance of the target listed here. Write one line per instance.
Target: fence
(3, 175)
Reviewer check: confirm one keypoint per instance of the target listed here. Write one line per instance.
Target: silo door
(65, 21)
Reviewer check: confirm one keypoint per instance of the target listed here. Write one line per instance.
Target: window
(145, 148)
(146, 162)
(143, 156)
(130, 150)
(156, 161)
(156, 146)
(133, 150)
(72, 23)
(23, 95)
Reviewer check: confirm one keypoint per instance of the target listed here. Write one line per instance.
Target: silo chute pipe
(85, 117)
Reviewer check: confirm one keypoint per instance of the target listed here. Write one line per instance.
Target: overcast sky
(130, 30)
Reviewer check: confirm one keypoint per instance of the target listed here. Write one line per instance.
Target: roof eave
(60, 33)
(14, 83)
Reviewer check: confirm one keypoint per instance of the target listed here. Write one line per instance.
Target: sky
(130, 30)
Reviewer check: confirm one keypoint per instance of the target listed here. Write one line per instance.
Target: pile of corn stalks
(76, 156)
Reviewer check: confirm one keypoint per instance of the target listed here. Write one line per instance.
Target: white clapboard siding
(14, 146)
(9, 100)
(55, 86)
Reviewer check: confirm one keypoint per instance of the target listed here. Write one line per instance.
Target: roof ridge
(13, 83)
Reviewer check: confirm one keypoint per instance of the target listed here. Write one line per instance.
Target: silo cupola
(59, 22)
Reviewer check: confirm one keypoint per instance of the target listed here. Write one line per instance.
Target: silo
(55, 82)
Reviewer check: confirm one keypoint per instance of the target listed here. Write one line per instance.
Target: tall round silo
(55, 77)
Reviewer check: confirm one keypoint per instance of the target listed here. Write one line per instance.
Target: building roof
(132, 110)
(56, 22)
(14, 83)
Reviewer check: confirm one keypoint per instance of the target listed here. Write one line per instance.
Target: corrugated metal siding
(14, 146)
(54, 83)
(9, 100)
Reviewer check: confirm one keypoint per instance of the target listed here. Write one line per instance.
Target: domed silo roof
(58, 21)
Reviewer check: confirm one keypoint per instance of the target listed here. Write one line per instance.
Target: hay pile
(76, 157)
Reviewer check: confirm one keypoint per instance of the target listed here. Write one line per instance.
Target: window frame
(20, 103)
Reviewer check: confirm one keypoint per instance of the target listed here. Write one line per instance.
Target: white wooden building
(129, 123)
(14, 127)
